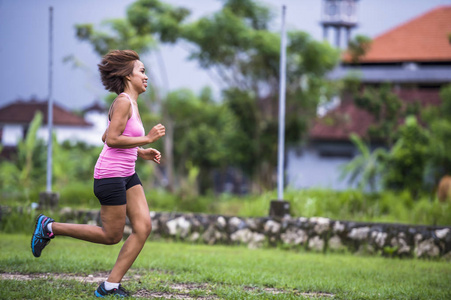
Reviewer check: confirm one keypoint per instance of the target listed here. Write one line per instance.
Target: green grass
(228, 272)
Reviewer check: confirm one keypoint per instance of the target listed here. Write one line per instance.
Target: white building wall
(309, 170)
(73, 134)
(91, 135)
(12, 134)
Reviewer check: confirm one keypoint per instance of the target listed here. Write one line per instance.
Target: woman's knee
(143, 229)
(114, 239)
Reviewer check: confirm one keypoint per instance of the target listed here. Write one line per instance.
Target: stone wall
(314, 234)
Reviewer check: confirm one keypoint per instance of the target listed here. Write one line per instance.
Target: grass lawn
(186, 271)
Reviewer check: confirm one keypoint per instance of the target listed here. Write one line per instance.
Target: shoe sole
(98, 295)
(36, 227)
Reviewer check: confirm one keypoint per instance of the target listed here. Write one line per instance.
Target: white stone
(179, 227)
(339, 227)
(427, 248)
(321, 224)
(401, 244)
(316, 243)
(194, 236)
(294, 236)
(379, 238)
(335, 243)
(243, 235)
(359, 233)
(172, 226)
(272, 226)
(222, 221)
(441, 233)
(234, 221)
(257, 240)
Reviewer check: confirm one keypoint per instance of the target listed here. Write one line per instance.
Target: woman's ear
(127, 77)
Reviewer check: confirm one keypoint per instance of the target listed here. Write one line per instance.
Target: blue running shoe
(41, 236)
(119, 292)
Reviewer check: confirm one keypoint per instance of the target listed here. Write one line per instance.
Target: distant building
(15, 119)
(414, 57)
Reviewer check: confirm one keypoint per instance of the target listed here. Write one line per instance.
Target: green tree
(387, 110)
(367, 168)
(407, 158)
(358, 47)
(237, 48)
(236, 45)
(26, 171)
(203, 130)
(439, 124)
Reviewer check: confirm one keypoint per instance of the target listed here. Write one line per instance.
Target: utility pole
(279, 207)
(49, 199)
(50, 106)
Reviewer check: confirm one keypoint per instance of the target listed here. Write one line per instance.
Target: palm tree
(367, 167)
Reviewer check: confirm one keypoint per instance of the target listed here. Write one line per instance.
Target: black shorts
(112, 191)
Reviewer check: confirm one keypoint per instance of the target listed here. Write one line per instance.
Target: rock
(335, 243)
(338, 227)
(179, 227)
(272, 227)
(360, 233)
(294, 236)
(212, 235)
(379, 238)
(401, 244)
(316, 243)
(320, 225)
(427, 248)
(194, 237)
(441, 233)
(221, 222)
(127, 231)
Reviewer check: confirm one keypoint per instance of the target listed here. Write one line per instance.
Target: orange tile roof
(422, 39)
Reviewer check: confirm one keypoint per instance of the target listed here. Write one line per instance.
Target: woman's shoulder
(121, 103)
(122, 100)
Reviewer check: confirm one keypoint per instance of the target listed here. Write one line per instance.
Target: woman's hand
(150, 154)
(156, 133)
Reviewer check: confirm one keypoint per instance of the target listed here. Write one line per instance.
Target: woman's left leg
(138, 214)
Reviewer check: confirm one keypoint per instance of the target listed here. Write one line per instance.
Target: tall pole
(282, 92)
(50, 104)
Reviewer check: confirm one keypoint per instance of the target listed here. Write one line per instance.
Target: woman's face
(138, 79)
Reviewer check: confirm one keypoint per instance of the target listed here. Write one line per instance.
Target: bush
(78, 194)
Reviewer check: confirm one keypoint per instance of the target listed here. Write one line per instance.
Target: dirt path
(178, 290)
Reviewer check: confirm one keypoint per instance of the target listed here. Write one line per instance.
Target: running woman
(116, 184)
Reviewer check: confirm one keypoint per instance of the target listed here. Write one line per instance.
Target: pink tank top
(117, 162)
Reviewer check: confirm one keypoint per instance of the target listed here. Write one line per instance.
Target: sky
(24, 43)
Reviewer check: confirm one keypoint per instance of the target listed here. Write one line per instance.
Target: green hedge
(350, 205)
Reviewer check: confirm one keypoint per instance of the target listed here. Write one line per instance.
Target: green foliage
(407, 159)
(367, 167)
(237, 47)
(27, 171)
(358, 47)
(78, 194)
(438, 154)
(386, 108)
(204, 130)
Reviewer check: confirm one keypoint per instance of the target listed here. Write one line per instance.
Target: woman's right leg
(113, 222)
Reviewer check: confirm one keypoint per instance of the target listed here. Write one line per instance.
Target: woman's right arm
(121, 114)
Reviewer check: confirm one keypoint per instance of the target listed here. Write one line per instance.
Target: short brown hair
(113, 68)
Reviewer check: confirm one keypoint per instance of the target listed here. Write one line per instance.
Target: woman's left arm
(149, 154)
